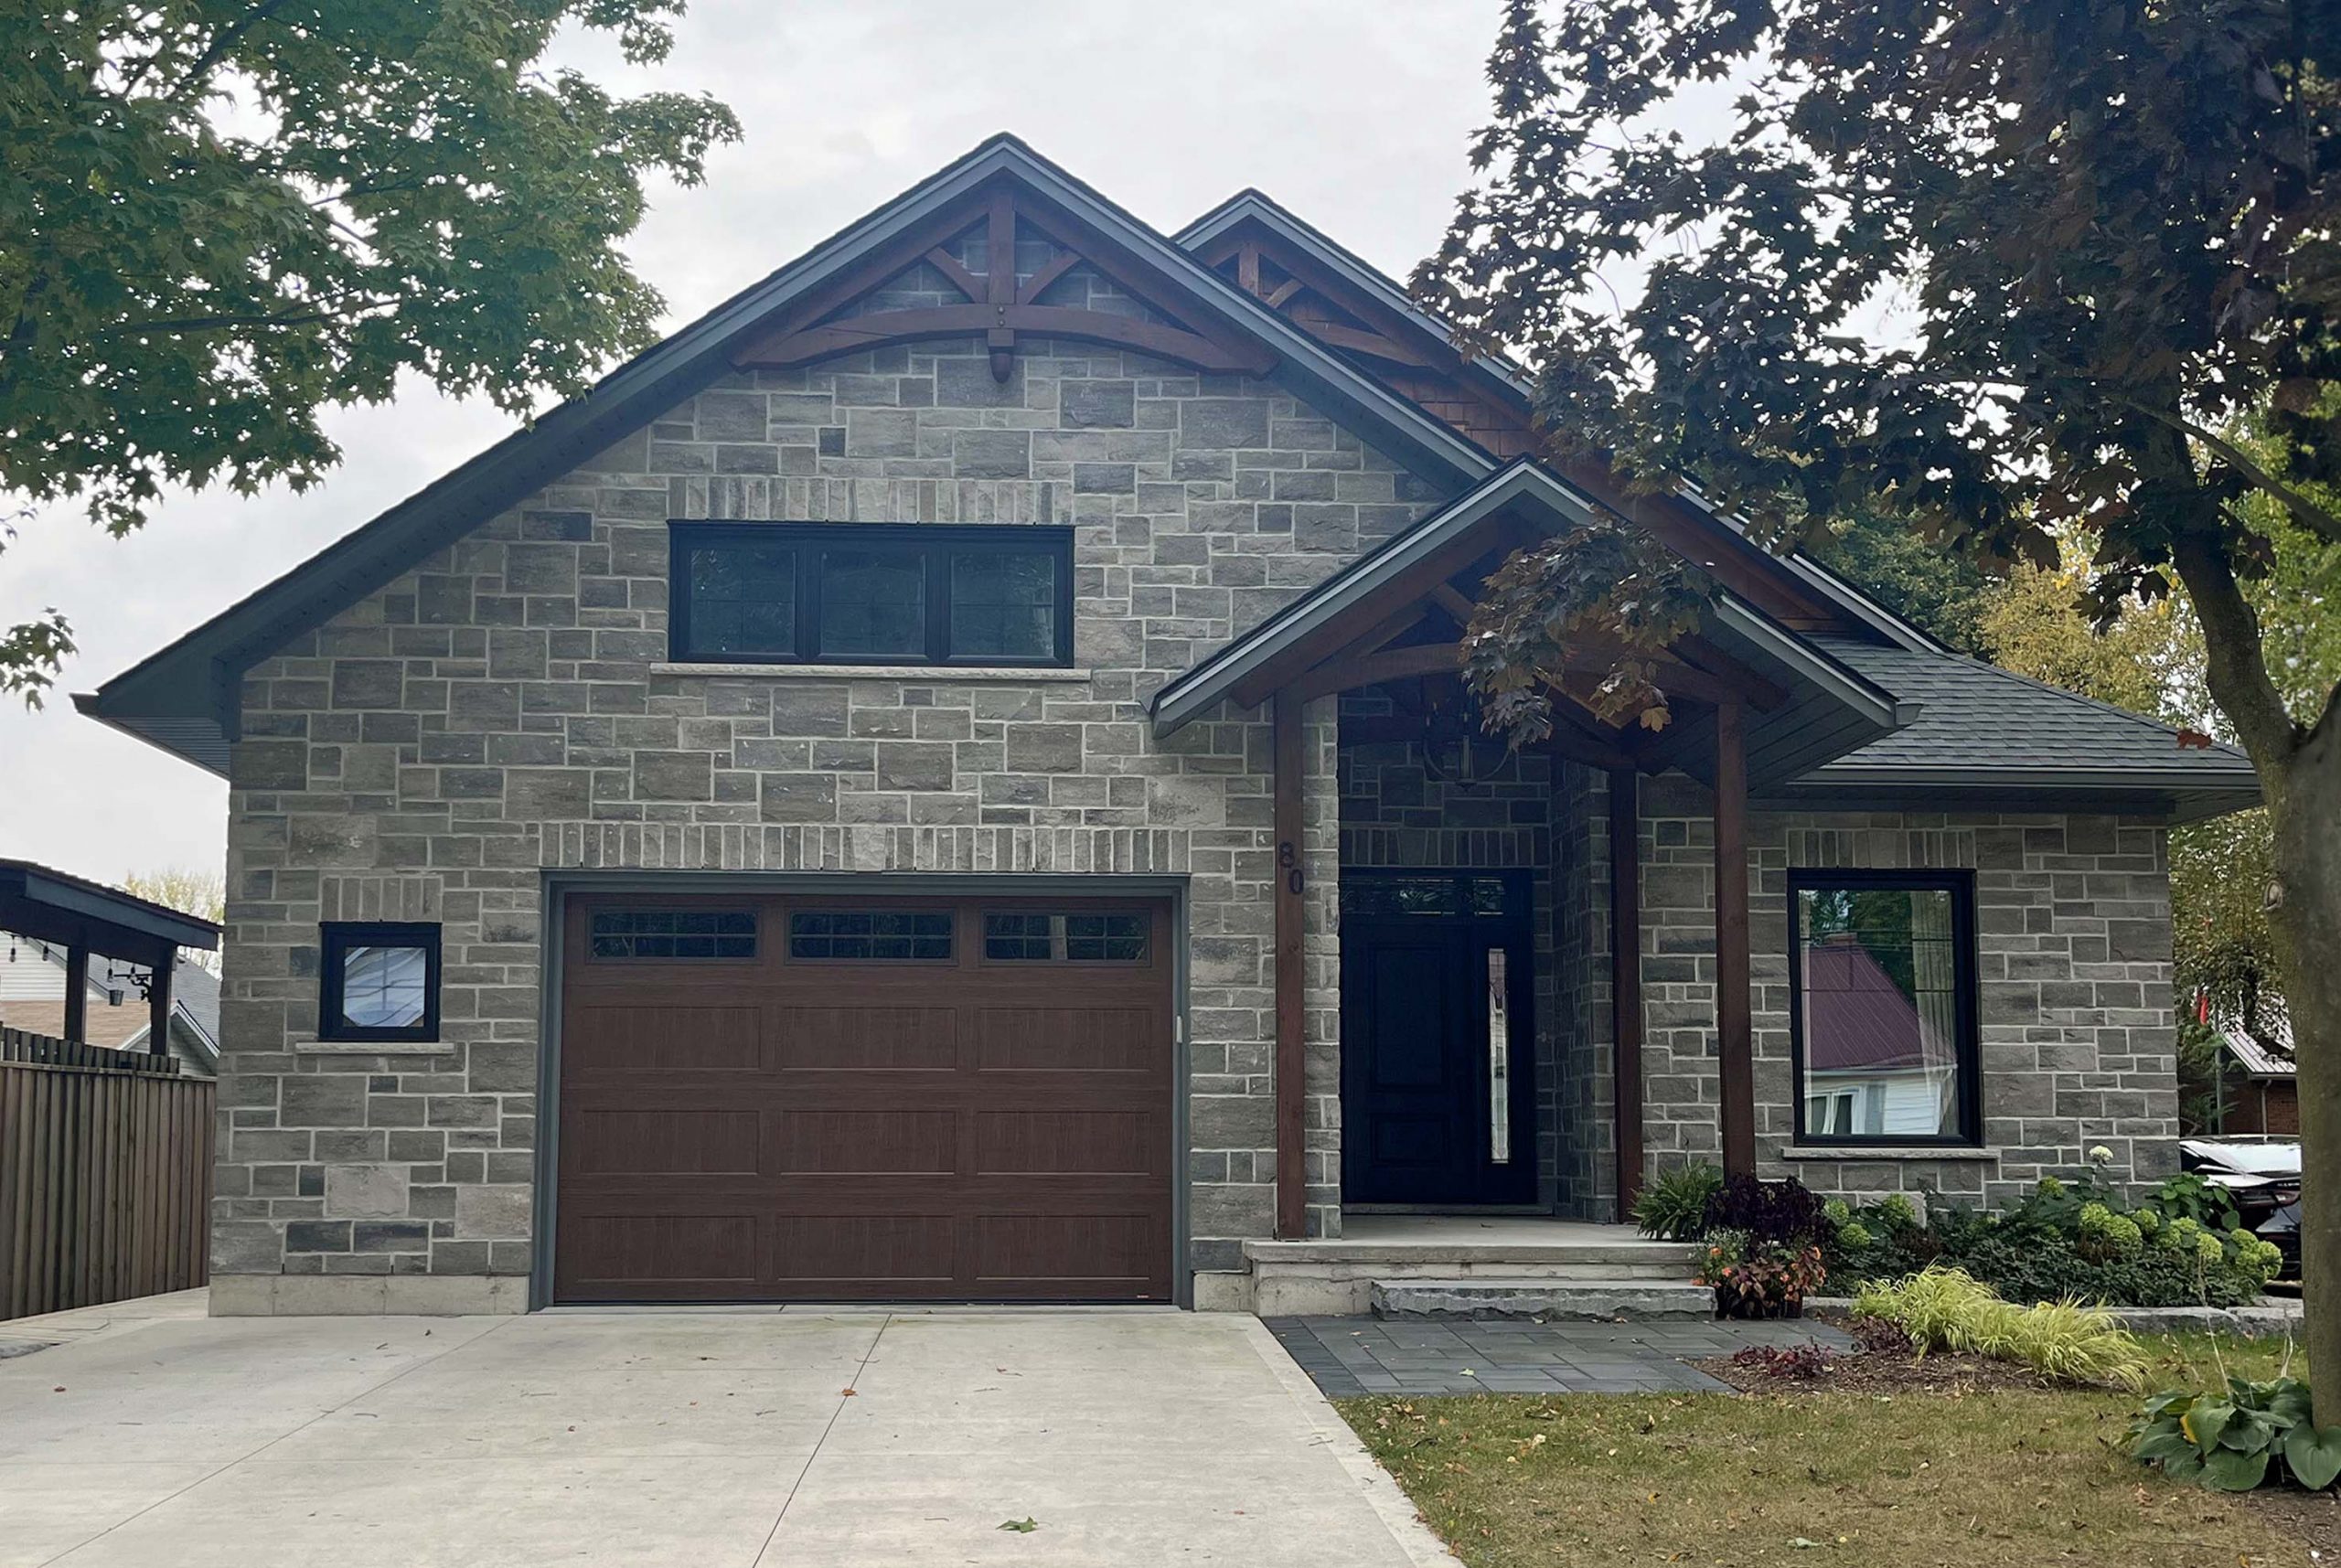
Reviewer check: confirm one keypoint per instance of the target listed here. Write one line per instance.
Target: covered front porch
(1494, 987)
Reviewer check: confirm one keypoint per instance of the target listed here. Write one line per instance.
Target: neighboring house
(32, 998)
(945, 778)
(2257, 1088)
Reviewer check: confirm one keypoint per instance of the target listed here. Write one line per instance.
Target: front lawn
(1958, 1480)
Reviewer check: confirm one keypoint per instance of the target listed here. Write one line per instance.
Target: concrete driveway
(705, 1440)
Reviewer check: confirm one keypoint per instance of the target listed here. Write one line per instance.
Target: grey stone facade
(505, 710)
(2073, 971)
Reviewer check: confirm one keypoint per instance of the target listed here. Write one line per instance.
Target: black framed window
(1882, 1012)
(1104, 937)
(864, 933)
(871, 593)
(379, 982)
(672, 934)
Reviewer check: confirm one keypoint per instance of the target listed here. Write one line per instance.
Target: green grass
(1916, 1480)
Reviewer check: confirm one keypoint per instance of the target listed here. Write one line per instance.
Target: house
(2257, 1088)
(32, 998)
(945, 779)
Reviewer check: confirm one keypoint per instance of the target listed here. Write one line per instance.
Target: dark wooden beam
(1585, 743)
(951, 266)
(1390, 664)
(77, 992)
(1291, 925)
(1283, 292)
(158, 1008)
(1055, 267)
(1247, 267)
(1407, 588)
(1000, 281)
(852, 282)
(1141, 279)
(858, 332)
(1454, 601)
(1735, 1037)
(1626, 980)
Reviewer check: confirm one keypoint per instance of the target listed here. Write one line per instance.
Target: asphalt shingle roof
(1976, 717)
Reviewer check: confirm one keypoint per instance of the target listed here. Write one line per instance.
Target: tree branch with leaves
(219, 219)
(2003, 273)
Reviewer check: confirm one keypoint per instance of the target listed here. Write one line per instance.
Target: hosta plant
(2254, 1435)
(1673, 1206)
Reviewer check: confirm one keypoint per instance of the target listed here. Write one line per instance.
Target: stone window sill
(923, 674)
(374, 1046)
(1887, 1151)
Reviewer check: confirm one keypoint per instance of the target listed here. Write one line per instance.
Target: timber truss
(959, 276)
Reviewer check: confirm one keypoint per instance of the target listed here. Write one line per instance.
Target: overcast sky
(1354, 113)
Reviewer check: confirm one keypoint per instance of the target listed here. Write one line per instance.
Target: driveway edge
(1381, 1491)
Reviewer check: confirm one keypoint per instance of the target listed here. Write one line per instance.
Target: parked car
(2263, 1177)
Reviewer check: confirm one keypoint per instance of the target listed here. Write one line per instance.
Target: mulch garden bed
(1879, 1367)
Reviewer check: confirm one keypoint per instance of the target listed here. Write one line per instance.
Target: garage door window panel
(673, 934)
(1017, 936)
(870, 935)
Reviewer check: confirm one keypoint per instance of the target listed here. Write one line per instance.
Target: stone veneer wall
(501, 711)
(2073, 968)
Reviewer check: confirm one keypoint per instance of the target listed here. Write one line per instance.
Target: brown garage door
(838, 1098)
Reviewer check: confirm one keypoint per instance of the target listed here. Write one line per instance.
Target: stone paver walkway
(1349, 1357)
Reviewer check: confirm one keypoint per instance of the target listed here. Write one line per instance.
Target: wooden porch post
(158, 1007)
(77, 993)
(1735, 1035)
(1626, 979)
(1292, 1060)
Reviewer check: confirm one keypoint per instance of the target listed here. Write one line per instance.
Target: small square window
(379, 982)
(850, 934)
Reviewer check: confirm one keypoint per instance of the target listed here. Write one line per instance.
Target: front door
(1436, 1070)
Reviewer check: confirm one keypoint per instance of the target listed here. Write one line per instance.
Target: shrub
(2108, 1235)
(1949, 1309)
(1784, 1211)
(1673, 1206)
(2256, 1435)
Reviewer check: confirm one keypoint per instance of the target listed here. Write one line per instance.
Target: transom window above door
(863, 594)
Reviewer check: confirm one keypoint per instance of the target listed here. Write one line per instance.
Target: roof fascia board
(1983, 775)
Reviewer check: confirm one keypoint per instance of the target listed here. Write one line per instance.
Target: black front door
(1435, 981)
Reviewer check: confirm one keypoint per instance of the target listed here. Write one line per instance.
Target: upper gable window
(865, 593)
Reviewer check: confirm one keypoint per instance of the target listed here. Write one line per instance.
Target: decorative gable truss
(1005, 266)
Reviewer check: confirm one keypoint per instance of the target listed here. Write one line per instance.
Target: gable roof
(183, 698)
(1510, 384)
(1831, 707)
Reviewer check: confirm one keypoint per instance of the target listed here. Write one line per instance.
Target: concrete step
(1579, 1300)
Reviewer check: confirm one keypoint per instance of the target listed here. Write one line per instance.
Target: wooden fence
(105, 1174)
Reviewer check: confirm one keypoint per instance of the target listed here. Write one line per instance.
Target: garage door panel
(779, 1129)
(860, 1250)
(1069, 1142)
(648, 1040)
(1068, 1040)
(661, 1142)
(1040, 1249)
(865, 1039)
(667, 1249)
(865, 1143)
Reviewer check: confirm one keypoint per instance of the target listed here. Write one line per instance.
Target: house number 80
(1286, 857)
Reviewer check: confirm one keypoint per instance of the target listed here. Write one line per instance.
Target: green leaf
(2205, 1422)
(2313, 1456)
(2232, 1470)
(1021, 1526)
(2163, 1445)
